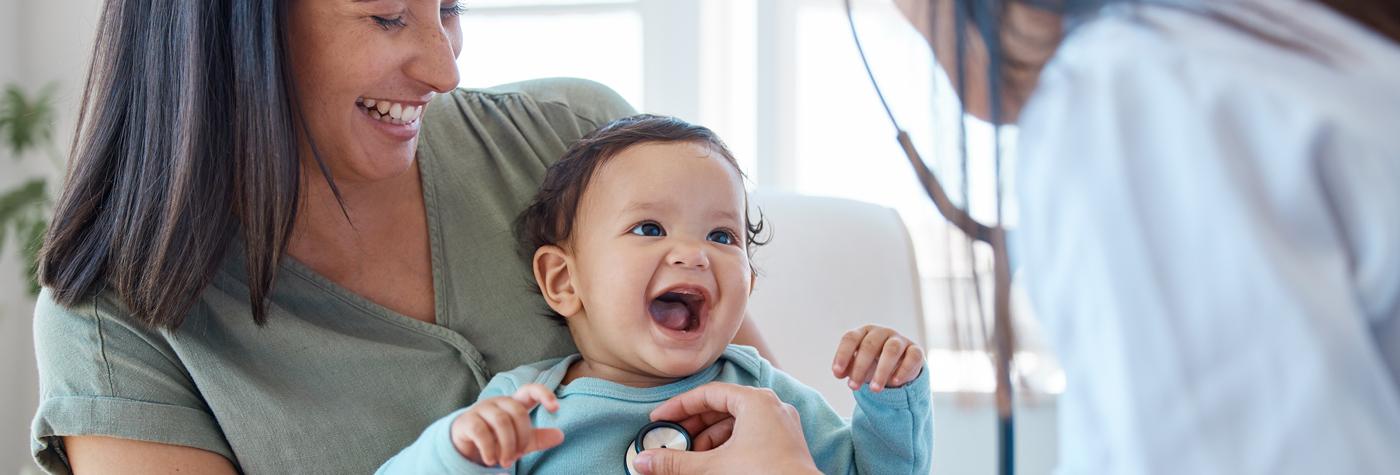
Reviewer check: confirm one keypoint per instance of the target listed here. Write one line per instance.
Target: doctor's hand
(879, 356)
(498, 431)
(763, 434)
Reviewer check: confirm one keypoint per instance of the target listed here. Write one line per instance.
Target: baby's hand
(498, 432)
(879, 356)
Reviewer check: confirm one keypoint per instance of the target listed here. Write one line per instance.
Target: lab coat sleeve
(433, 452)
(1183, 240)
(891, 432)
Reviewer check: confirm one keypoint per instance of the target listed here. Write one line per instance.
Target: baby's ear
(554, 275)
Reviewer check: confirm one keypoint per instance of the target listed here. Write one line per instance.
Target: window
(508, 41)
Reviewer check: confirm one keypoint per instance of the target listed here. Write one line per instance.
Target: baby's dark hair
(549, 220)
(550, 217)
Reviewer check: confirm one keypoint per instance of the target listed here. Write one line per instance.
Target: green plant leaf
(26, 123)
(20, 205)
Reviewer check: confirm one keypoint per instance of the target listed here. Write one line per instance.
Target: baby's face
(660, 257)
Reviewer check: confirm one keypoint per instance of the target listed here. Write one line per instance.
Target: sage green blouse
(334, 383)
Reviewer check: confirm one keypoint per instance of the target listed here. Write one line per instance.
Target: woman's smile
(397, 119)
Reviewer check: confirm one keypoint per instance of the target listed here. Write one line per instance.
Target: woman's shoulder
(589, 100)
(89, 313)
(568, 103)
(518, 128)
(97, 326)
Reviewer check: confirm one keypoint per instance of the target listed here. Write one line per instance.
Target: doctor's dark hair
(550, 217)
(186, 141)
(988, 26)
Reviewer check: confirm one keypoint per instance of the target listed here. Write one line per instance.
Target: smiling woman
(284, 242)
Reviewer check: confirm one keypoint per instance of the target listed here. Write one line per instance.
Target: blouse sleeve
(102, 374)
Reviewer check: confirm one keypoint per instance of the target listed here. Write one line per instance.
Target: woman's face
(363, 71)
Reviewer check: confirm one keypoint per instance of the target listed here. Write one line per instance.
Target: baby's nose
(689, 256)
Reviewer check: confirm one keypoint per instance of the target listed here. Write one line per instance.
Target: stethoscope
(656, 435)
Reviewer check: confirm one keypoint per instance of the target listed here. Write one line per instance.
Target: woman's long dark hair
(185, 140)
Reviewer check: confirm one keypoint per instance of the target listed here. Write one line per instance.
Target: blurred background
(780, 80)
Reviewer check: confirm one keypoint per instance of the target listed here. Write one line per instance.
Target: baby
(641, 242)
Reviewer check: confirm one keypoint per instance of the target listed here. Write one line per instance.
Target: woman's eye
(453, 9)
(387, 23)
(722, 237)
(648, 229)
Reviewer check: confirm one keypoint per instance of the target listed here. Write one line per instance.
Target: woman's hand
(759, 434)
(498, 431)
(879, 356)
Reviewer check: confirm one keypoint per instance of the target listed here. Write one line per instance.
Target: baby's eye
(721, 236)
(649, 229)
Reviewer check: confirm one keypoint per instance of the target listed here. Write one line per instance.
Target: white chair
(832, 265)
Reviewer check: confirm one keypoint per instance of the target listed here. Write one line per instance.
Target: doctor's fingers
(718, 397)
(534, 393)
(714, 435)
(675, 462)
(698, 423)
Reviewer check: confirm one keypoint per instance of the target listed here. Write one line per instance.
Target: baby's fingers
(890, 357)
(479, 438)
(503, 426)
(866, 356)
(845, 350)
(909, 367)
(534, 393)
(522, 428)
(544, 439)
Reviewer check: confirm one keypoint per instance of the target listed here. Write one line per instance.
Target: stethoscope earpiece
(656, 435)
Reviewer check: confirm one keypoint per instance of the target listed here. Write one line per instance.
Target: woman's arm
(80, 351)
(106, 455)
(748, 335)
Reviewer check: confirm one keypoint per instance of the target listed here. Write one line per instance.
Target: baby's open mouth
(679, 309)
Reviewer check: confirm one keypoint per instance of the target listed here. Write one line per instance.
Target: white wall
(41, 42)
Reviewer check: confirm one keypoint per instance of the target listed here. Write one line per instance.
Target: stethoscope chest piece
(656, 435)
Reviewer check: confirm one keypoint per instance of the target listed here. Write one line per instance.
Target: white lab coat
(1210, 231)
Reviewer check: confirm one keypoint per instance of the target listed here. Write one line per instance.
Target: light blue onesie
(891, 432)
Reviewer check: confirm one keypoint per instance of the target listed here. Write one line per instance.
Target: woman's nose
(689, 256)
(435, 61)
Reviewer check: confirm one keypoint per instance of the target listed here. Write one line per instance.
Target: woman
(1209, 226)
(258, 266)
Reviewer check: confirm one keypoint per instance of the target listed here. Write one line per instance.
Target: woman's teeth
(390, 112)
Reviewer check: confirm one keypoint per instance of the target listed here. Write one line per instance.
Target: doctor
(1209, 196)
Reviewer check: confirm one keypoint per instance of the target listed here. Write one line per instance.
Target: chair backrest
(832, 265)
